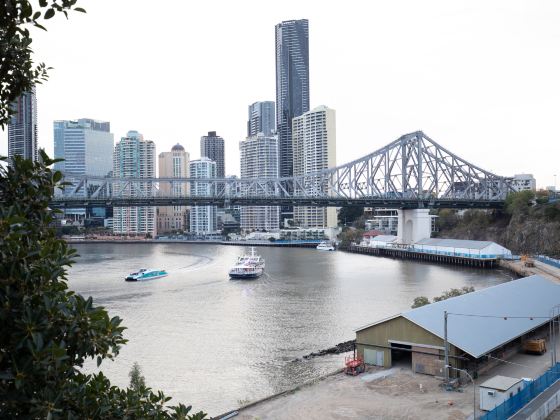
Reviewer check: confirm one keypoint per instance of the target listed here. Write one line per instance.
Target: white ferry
(146, 274)
(325, 246)
(248, 266)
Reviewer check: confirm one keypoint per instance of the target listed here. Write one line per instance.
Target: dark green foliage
(519, 202)
(423, 300)
(552, 212)
(447, 219)
(347, 215)
(48, 331)
(349, 235)
(420, 301)
(18, 74)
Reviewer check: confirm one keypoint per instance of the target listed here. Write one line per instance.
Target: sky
(480, 77)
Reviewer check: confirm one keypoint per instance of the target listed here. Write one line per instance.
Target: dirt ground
(401, 395)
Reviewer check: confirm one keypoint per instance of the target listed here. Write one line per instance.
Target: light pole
(473, 386)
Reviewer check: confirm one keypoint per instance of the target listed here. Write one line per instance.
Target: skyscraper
(86, 146)
(259, 159)
(173, 164)
(22, 128)
(203, 219)
(314, 136)
(134, 157)
(212, 147)
(292, 88)
(261, 119)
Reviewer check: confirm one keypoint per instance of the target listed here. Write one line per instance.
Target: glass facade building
(261, 119)
(203, 219)
(22, 128)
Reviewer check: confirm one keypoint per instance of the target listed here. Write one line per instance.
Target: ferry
(248, 266)
(146, 274)
(325, 246)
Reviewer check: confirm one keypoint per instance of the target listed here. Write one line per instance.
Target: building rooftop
(178, 148)
(385, 238)
(455, 243)
(500, 383)
(484, 320)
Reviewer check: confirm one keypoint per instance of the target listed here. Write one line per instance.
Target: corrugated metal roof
(454, 243)
(484, 328)
(501, 383)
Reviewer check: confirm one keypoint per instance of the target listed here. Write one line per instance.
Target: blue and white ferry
(146, 274)
(248, 266)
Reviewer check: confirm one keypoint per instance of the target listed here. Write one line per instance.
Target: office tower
(259, 159)
(314, 148)
(261, 119)
(134, 157)
(203, 220)
(212, 147)
(86, 146)
(292, 89)
(173, 164)
(22, 128)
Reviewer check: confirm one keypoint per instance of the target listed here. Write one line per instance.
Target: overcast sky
(482, 78)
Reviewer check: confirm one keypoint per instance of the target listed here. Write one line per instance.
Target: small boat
(146, 274)
(325, 246)
(248, 266)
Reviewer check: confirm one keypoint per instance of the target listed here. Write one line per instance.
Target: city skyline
(364, 70)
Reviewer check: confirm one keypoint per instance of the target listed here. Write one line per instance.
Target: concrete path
(534, 405)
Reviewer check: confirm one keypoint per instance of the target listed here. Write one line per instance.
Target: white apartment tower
(134, 157)
(173, 164)
(203, 219)
(259, 159)
(314, 149)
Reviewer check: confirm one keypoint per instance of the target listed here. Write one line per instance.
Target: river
(212, 342)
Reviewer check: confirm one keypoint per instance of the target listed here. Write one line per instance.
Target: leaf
(79, 9)
(49, 13)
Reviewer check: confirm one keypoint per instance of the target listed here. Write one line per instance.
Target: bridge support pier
(413, 225)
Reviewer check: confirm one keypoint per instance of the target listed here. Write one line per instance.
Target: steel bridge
(412, 172)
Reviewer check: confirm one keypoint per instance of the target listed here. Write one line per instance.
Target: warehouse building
(483, 327)
(462, 248)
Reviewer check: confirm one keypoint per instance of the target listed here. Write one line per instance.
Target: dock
(410, 254)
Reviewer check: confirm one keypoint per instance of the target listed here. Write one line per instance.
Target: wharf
(409, 254)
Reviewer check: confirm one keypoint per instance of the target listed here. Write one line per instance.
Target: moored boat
(146, 274)
(325, 246)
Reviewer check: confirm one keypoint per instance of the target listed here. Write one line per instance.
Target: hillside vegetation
(529, 224)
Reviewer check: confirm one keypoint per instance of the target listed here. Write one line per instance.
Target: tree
(347, 215)
(519, 202)
(48, 331)
(137, 380)
(423, 300)
(18, 74)
(349, 235)
(420, 301)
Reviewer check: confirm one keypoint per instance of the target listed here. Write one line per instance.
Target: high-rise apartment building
(86, 145)
(203, 219)
(262, 119)
(292, 88)
(212, 147)
(173, 164)
(314, 148)
(259, 159)
(22, 128)
(134, 157)
(292, 84)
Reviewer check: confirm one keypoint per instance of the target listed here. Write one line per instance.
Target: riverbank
(542, 269)
(279, 243)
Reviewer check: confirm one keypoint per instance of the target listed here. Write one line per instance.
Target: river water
(212, 342)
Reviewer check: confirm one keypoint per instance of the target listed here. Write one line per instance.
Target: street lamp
(473, 386)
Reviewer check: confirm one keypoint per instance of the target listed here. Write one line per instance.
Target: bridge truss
(411, 172)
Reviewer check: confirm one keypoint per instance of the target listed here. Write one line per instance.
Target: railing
(533, 389)
(547, 260)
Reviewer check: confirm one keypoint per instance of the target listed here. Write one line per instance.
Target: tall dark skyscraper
(261, 119)
(22, 129)
(292, 89)
(212, 147)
